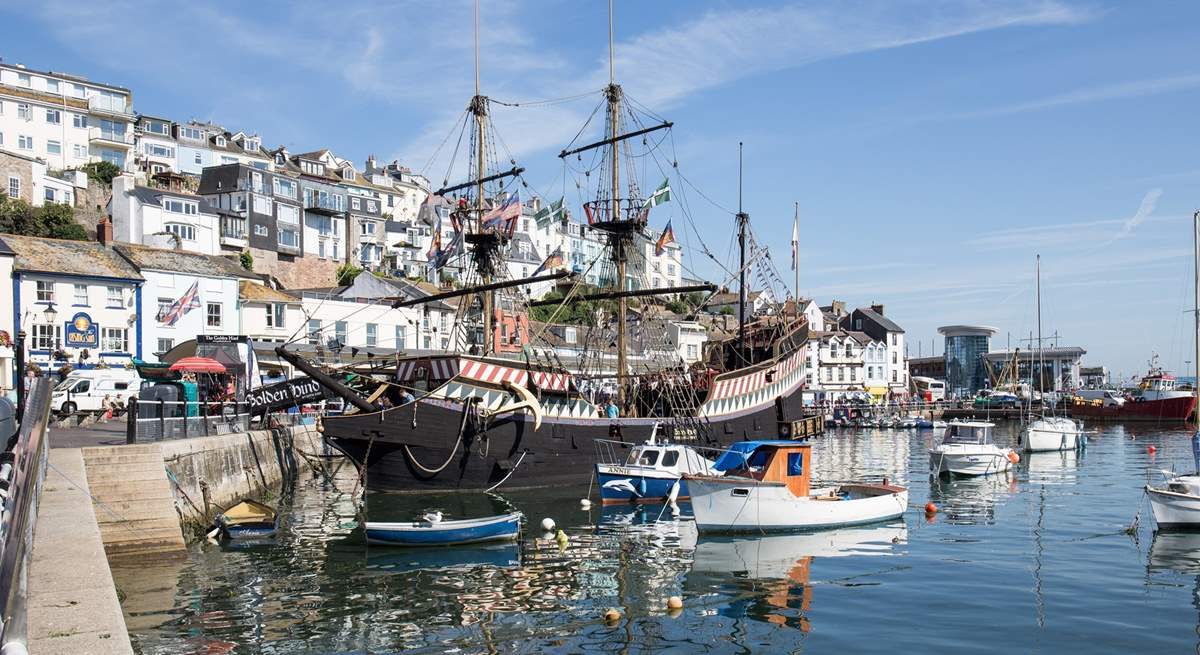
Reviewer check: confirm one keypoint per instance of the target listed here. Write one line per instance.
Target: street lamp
(50, 313)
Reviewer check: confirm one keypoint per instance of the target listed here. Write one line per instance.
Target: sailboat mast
(796, 245)
(1037, 273)
(742, 219)
(1196, 308)
(479, 110)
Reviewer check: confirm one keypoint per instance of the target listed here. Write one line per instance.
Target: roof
(252, 291)
(150, 196)
(740, 452)
(5, 250)
(20, 68)
(18, 155)
(83, 258)
(181, 261)
(883, 322)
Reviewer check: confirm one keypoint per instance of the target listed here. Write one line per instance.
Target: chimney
(370, 163)
(877, 308)
(104, 231)
(837, 307)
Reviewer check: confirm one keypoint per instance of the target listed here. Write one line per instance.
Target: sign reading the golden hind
(82, 332)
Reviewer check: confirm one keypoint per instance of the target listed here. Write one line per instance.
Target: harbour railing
(163, 420)
(22, 472)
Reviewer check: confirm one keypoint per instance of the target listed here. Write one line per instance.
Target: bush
(101, 171)
(50, 220)
(346, 274)
(247, 260)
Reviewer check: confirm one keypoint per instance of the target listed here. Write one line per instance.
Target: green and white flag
(661, 194)
(549, 213)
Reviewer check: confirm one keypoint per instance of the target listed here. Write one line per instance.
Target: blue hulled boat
(432, 531)
(247, 520)
(649, 473)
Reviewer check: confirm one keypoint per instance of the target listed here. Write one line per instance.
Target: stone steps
(134, 501)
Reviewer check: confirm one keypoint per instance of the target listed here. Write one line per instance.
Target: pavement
(111, 433)
(73, 606)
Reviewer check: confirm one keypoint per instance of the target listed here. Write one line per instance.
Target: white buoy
(585, 503)
(548, 524)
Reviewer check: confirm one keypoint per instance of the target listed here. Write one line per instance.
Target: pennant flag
(661, 194)
(549, 213)
(796, 239)
(435, 245)
(555, 260)
(509, 210)
(667, 236)
(186, 303)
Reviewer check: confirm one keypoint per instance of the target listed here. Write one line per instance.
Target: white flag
(796, 239)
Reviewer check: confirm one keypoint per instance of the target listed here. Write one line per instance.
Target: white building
(837, 358)
(689, 338)
(28, 178)
(77, 301)
(157, 150)
(165, 219)
(207, 285)
(872, 321)
(269, 315)
(361, 316)
(65, 120)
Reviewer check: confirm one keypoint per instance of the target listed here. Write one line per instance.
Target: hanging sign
(81, 332)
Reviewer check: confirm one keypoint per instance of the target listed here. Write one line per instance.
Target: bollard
(162, 419)
(131, 413)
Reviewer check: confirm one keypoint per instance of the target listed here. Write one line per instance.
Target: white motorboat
(967, 449)
(1050, 433)
(765, 488)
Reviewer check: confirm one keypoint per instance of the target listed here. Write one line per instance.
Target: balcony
(109, 137)
(327, 205)
(110, 106)
(233, 231)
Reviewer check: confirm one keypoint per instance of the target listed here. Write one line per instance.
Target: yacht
(967, 449)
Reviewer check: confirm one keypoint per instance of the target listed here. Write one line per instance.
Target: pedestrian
(406, 396)
(611, 410)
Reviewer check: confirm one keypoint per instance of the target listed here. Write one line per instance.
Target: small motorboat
(1050, 433)
(765, 488)
(649, 474)
(923, 424)
(248, 519)
(967, 449)
(431, 530)
(1176, 503)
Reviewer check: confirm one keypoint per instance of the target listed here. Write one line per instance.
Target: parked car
(998, 401)
(84, 390)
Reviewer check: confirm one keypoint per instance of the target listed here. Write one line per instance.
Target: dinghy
(246, 520)
(432, 531)
(765, 488)
(967, 449)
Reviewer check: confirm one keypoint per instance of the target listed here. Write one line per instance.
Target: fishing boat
(247, 519)
(518, 415)
(1046, 433)
(431, 530)
(651, 473)
(1156, 399)
(967, 449)
(765, 487)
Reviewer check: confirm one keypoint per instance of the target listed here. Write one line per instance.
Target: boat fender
(1151, 449)
(674, 603)
(548, 524)
(1013, 457)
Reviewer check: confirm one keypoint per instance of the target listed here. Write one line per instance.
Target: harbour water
(1034, 561)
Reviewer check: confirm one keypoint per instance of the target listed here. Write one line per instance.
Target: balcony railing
(233, 228)
(110, 136)
(108, 105)
(330, 205)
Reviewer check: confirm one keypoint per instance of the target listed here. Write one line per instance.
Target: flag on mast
(509, 210)
(796, 239)
(549, 213)
(555, 260)
(667, 236)
(661, 194)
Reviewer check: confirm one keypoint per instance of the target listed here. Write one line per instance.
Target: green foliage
(346, 274)
(575, 313)
(247, 260)
(101, 171)
(52, 220)
(727, 310)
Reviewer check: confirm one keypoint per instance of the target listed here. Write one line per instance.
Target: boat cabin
(667, 457)
(786, 462)
(968, 432)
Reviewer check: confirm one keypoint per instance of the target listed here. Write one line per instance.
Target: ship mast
(619, 239)
(742, 219)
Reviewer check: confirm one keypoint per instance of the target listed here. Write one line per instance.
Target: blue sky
(934, 147)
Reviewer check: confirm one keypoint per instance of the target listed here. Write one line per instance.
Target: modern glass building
(966, 347)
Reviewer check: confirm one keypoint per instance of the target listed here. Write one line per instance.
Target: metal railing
(22, 472)
(162, 420)
(112, 136)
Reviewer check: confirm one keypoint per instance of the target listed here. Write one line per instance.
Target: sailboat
(521, 419)
(1176, 503)
(1047, 433)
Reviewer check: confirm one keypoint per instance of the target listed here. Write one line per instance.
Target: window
(354, 203)
(116, 340)
(45, 337)
(372, 334)
(893, 338)
(78, 90)
(692, 351)
(260, 231)
(372, 206)
(164, 345)
(314, 331)
(670, 457)
(53, 117)
(367, 228)
(853, 375)
(285, 188)
(45, 291)
(275, 314)
(401, 337)
(321, 248)
(23, 79)
(894, 360)
(54, 147)
(80, 151)
(79, 120)
(24, 112)
(288, 214)
(894, 376)
(196, 158)
(81, 294)
(221, 142)
(214, 314)
(164, 306)
(226, 159)
(339, 332)
(114, 298)
(155, 150)
(289, 237)
(191, 133)
(25, 142)
(182, 230)
(14, 187)
(262, 205)
(52, 86)
(180, 206)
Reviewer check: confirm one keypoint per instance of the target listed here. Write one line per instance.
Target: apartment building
(156, 147)
(168, 219)
(65, 120)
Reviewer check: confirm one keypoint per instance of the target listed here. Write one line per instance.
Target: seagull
(432, 517)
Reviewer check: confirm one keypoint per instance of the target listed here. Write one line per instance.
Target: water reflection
(971, 501)
(1057, 467)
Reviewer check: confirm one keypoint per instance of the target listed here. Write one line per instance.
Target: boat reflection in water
(970, 501)
(772, 574)
(1056, 467)
(393, 560)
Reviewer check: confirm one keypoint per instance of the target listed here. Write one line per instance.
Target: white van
(84, 390)
(1111, 397)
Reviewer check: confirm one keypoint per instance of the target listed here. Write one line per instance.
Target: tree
(247, 260)
(346, 274)
(727, 310)
(101, 171)
(53, 220)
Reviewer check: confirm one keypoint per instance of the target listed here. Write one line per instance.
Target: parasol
(198, 365)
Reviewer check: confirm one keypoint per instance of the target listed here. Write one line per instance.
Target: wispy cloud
(1143, 212)
(1123, 90)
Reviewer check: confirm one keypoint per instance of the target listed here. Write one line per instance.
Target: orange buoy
(1151, 449)
(930, 508)
(1013, 456)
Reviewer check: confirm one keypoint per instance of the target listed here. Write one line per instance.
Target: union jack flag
(509, 210)
(186, 303)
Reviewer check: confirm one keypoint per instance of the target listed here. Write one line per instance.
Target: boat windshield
(644, 457)
(967, 434)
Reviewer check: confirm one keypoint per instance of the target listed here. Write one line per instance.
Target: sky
(935, 147)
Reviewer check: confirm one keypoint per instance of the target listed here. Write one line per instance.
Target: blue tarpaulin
(748, 453)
